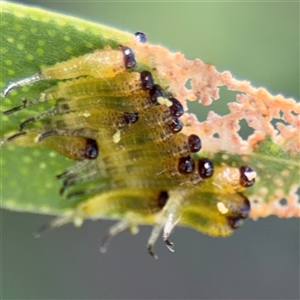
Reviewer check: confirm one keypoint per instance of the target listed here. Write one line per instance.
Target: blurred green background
(255, 41)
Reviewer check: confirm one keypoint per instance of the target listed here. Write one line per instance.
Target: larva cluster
(134, 163)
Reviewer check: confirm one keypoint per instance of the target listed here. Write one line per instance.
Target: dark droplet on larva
(235, 223)
(162, 199)
(65, 106)
(176, 108)
(205, 168)
(147, 80)
(131, 118)
(246, 173)
(186, 165)
(140, 37)
(245, 209)
(91, 149)
(155, 92)
(176, 126)
(194, 143)
(129, 58)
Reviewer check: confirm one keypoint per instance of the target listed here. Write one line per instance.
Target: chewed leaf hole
(298, 194)
(245, 131)
(283, 202)
(275, 121)
(188, 84)
(219, 106)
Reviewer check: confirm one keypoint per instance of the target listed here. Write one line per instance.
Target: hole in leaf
(188, 84)
(255, 201)
(219, 106)
(294, 113)
(216, 135)
(298, 193)
(280, 114)
(245, 130)
(283, 202)
(275, 121)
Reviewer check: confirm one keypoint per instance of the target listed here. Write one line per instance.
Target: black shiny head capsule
(131, 118)
(176, 126)
(176, 108)
(194, 143)
(247, 176)
(155, 92)
(129, 58)
(162, 199)
(186, 165)
(140, 37)
(147, 80)
(235, 223)
(91, 149)
(205, 168)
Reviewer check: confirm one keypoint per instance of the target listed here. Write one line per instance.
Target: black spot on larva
(129, 58)
(194, 143)
(131, 118)
(205, 168)
(147, 80)
(91, 149)
(235, 223)
(245, 209)
(65, 106)
(155, 92)
(176, 126)
(245, 172)
(162, 199)
(176, 108)
(186, 165)
(140, 37)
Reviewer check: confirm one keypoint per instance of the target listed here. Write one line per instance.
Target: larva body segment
(108, 62)
(122, 85)
(134, 162)
(76, 148)
(99, 64)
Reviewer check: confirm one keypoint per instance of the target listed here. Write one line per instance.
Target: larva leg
(54, 223)
(83, 172)
(153, 238)
(84, 132)
(166, 220)
(112, 232)
(100, 64)
(78, 167)
(90, 175)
